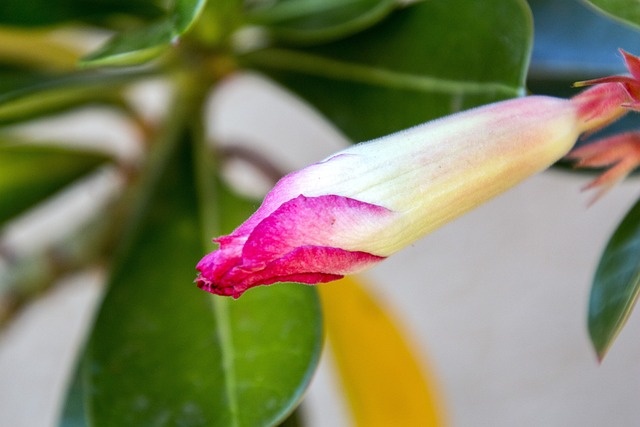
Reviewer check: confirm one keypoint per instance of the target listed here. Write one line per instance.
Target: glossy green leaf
(427, 60)
(73, 412)
(627, 11)
(48, 12)
(148, 42)
(185, 14)
(29, 174)
(163, 352)
(313, 21)
(616, 284)
(31, 95)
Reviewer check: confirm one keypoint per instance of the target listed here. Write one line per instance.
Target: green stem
(209, 202)
(191, 92)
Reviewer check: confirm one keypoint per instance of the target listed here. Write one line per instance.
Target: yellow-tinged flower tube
(359, 206)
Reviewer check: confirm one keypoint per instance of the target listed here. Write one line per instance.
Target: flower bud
(357, 207)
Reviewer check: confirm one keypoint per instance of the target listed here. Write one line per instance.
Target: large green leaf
(313, 21)
(147, 42)
(28, 174)
(616, 284)
(422, 62)
(73, 412)
(163, 352)
(48, 12)
(627, 11)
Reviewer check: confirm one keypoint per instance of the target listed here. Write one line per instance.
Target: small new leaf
(146, 43)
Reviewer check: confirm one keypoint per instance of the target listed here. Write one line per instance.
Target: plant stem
(190, 94)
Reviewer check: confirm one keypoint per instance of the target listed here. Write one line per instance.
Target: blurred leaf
(422, 62)
(385, 382)
(185, 14)
(163, 352)
(616, 284)
(148, 42)
(26, 95)
(313, 21)
(133, 47)
(48, 12)
(627, 11)
(35, 49)
(29, 174)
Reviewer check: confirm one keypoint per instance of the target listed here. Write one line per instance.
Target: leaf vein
(289, 60)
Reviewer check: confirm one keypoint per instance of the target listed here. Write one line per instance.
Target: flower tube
(357, 207)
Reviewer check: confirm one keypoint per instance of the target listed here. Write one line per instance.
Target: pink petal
(313, 221)
(299, 241)
(310, 265)
(633, 63)
(620, 153)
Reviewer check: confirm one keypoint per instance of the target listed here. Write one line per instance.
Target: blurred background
(494, 303)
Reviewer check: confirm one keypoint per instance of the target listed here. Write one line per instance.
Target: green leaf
(33, 95)
(133, 47)
(29, 174)
(47, 12)
(616, 284)
(313, 21)
(163, 352)
(422, 62)
(627, 11)
(146, 43)
(34, 50)
(185, 14)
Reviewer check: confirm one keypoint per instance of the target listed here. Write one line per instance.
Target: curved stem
(254, 158)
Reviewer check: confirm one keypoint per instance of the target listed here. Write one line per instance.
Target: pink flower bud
(359, 206)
